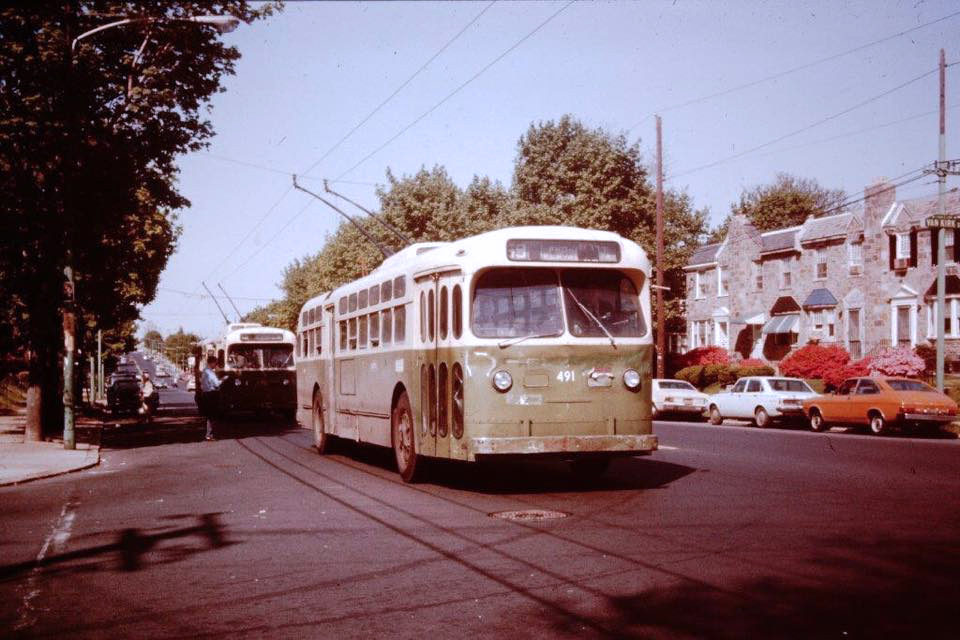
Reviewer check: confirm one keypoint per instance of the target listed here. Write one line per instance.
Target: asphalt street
(726, 532)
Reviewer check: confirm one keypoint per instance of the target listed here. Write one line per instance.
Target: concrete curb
(50, 473)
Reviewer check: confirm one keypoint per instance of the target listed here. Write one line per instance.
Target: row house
(862, 279)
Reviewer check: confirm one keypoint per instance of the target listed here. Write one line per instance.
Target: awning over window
(782, 324)
(952, 286)
(784, 304)
(820, 298)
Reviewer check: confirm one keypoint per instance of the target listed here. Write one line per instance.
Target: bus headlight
(631, 379)
(502, 381)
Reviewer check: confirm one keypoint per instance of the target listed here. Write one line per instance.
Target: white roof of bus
(234, 334)
(480, 251)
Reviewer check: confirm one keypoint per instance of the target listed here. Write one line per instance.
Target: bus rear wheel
(321, 439)
(409, 464)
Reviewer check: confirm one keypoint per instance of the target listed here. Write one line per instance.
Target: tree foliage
(89, 137)
(787, 202)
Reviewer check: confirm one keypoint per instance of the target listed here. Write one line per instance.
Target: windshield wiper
(512, 341)
(591, 316)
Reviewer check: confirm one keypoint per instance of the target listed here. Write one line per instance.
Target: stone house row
(862, 279)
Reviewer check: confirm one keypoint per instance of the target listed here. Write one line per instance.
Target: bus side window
(352, 323)
(399, 287)
(431, 310)
(302, 347)
(386, 291)
(457, 311)
(387, 329)
(362, 321)
(374, 295)
(343, 335)
(399, 324)
(423, 317)
(319, 340)
(309, 341)
(374, 329)
(443, 313)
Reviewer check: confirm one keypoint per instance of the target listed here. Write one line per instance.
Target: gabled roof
(779, 240)
(836, 226)
(915, 212)
(784, 304)
(706, 254)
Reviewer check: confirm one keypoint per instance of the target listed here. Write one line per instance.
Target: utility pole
(661, 325)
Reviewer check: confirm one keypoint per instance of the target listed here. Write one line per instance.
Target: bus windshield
(510, 303)
(260, 356)
(513, 303)
(601, 302)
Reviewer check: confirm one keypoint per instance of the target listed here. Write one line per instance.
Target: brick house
(862, 279)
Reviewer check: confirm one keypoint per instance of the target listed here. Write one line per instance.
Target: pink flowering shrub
(704, 356)
(897, 361)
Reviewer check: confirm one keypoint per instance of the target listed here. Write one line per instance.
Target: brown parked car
(879, 403)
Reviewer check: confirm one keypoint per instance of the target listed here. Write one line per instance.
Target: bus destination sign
(943, 222)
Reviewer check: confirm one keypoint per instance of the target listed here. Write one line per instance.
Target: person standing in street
(209, 394)
(149, 397)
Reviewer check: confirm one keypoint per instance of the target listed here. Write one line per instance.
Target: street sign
(943, 222)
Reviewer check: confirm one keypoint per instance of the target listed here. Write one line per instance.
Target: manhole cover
(529, 515)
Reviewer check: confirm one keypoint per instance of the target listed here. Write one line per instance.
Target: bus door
(449, 290)
(427, 363)
(328, 377)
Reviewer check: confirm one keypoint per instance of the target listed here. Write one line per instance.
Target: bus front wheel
(409, 464)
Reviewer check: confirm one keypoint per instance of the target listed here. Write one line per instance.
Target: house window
(854, 345)
(903, 324)
(950, 328)
(702, 333)
(855, 254)
(721, 282)
(786, 275)
(948, 241)
(903, 246)
(721, 333)
(820, 269)
(823, 321)
(758, 276)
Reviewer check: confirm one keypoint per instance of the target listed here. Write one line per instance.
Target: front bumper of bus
(563, 445)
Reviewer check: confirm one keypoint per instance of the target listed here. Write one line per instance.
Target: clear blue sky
(311, 74)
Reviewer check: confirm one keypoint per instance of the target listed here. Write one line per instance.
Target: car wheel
(878, 426)
(409, 464)
(715, 417)
(761, 418)
(817, 422)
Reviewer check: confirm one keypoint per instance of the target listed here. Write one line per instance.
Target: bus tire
(403, 433)
(321, 439)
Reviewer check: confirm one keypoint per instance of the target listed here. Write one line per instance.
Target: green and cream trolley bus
(525, 341)
(256, 367)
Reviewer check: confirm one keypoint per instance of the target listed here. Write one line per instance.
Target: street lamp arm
(223, 24)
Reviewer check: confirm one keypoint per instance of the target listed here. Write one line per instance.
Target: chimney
(878, 197)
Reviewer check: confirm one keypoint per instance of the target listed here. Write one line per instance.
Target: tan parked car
(878, 403)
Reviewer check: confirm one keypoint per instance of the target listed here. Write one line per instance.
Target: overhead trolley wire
(457, 90)
(786, 72)
(804, 128)
(398, 89)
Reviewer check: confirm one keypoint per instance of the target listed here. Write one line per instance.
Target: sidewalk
(24, 461)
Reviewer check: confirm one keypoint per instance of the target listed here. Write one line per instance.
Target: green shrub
(692, 374)
(756, 370)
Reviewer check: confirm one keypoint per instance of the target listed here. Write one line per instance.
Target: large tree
(89, 137)
(786, 202)
(567, 173)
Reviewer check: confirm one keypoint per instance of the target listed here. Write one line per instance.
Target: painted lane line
(55, 542)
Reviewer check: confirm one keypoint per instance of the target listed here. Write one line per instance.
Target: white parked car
(761, 399)
(677, 397)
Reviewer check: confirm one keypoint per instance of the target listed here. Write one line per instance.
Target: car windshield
(909, 385)
(259, 356)
(786, 384)
(676, 384)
